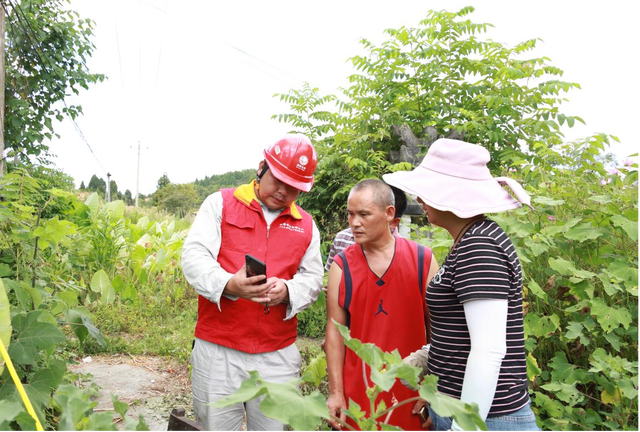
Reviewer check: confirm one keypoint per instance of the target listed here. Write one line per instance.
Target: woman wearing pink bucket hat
(475, 299)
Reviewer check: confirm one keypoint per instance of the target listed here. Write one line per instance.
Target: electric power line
(243, 52)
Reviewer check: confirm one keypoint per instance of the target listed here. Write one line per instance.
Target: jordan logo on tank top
(381, 309)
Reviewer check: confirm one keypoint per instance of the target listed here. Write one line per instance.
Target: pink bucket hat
(454, 177)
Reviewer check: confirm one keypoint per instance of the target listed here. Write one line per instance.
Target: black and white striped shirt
(484, 265)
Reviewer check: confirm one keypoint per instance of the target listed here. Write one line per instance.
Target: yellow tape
(16, 380)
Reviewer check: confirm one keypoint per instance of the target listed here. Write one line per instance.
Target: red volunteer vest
(242, 324)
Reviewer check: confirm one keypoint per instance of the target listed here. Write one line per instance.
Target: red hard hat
(293, 161)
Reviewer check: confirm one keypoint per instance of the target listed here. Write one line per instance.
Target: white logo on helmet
(277, 150)
(302, 162)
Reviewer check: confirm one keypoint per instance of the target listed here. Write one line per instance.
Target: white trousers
(218, 371)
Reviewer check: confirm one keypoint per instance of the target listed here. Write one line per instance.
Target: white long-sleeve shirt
(202, 270)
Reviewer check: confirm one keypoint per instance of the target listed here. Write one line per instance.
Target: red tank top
(390, 312)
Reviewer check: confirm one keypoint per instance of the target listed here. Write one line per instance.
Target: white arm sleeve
(487, 323)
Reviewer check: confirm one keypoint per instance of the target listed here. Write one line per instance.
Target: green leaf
(285, 403)
(535, 289)
(74, 404)
(32, 336)
(567, 268)
(250, 388)
(630, 227)
(102, 421)
(92, 202)
(316, 370)
(565, 392)
(574, 331)
(610, 318)
(552, 407)
(120, 407)
(624, 271)
(564, 371)
(548, 201)
(9, 410)
(629, 388)
(99, 280)
(464, 414)
(533, 370)
(583, 232)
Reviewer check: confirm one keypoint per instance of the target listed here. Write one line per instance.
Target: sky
(192, 82)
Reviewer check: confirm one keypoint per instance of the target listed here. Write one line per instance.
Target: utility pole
(108, 187)
(138, 177)
(2, 12)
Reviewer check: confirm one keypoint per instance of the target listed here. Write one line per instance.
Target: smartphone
(255, 267)
(424, 414)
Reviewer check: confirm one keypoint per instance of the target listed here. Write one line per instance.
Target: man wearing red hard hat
(249, 323)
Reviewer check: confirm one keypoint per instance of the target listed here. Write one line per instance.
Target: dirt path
(152, 386)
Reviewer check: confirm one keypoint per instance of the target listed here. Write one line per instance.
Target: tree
(163, 181)
(97, 184)
(47, 49)
(178, 199)
(128, 198)
(82, 186)
(440, 76)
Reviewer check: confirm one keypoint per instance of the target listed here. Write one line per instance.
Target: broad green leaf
(610, 318)
(630, 227)
(574, 331)
(562, 266)
(116, 208)
(540, 326)
(565, 392)
(611, 398)
(535, 289)
(285, 403)
(465, 415)
(108, 294)
(624, 271)
(553, 407)
(629, 388)
(250, 388)
(74, 404)
(69, 297)
(533, 370)
(101, 421)
(143, 223)
(9, 410)
(32, 335)
(316, 370)
(99, 280)
(564, 371)
(583, 232)
(567, 268)
(118, 284)
(548, 201)
(369, 353)
(537, 248)
(92, 202)
(120, 407)
(614, 340)
(602, 199)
